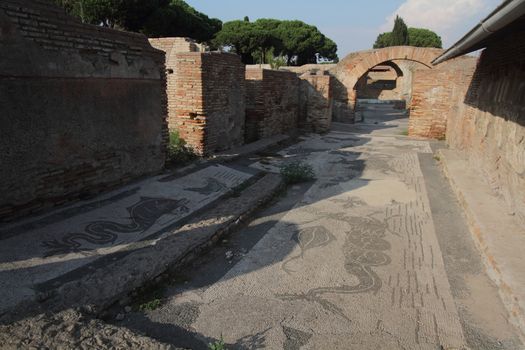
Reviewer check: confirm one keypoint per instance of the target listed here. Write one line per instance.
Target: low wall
(83, 108)
(210, 100)
(489, 124)
(310, 68)
(436, 94)
(272, 103)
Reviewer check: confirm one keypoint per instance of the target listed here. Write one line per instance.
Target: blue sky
(353, 24)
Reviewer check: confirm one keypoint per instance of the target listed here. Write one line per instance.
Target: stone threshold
(498, 235)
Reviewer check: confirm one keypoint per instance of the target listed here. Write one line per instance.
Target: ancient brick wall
(210, 100)
(83, 108)
(316, 102)
(489, 125)
(272, 103)
(436, 94)
(172, 46)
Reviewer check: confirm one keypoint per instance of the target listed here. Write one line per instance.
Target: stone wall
(172, 46)
(83, 108)
(436, 94)
(489, 125)
(316, 102)
(209, 100)
(272, 103)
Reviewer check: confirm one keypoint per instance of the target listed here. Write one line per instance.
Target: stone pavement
(383, 286)
(36, 254)
(355, 263)
(353, 260)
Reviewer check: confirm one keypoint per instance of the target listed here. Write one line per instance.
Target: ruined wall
(272, 103)
(436, 94)
(316, 102)
(210, 100)
(489, 125)
(310, 68)
(172, 46)
(83, 108)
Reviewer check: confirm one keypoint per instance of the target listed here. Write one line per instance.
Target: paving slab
(498, 234)
(38, 251)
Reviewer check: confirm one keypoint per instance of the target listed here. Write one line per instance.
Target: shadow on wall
(272, 103)
(490, 120)
(379, 90)
(497, 87)
(342, 111)
(316, 102)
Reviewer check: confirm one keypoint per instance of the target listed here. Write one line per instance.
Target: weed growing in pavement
(217, 345)
(297, 172)
(150, 305)
(179, 153)
(148, 298)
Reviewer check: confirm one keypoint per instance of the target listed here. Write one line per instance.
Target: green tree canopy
(399, 33)
(383, 40)
(245, 39)
(151, 17)
(419, 37)
(299, 42)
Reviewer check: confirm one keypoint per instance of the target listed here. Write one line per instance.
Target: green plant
(178, 151)
(150, 305)
(217, 345)
(404, 132)
(297, 172)
(275, 62)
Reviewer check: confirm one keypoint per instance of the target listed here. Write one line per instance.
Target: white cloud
(449, 18)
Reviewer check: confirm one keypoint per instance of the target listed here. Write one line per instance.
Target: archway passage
(354, 66)
(382, 82)
(387, 83)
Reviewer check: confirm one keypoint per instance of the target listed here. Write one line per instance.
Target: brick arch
(351, 68)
